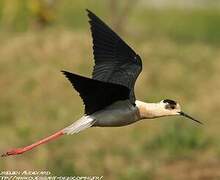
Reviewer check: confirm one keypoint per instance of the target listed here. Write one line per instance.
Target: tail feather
(81, 124)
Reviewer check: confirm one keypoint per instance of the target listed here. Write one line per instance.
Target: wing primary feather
(115, 61)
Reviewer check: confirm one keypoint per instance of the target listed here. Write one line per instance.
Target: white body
(121, 113)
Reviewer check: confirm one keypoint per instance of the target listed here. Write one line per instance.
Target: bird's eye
(172, 107)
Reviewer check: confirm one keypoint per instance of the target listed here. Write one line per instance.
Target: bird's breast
(120, 113)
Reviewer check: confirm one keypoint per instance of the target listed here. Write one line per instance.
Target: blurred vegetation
(178, 142)
(181, 58)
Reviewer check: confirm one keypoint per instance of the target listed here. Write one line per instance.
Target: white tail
(81, 124)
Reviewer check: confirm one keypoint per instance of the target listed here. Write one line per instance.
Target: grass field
(181, 60)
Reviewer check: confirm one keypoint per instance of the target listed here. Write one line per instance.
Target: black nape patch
(171, 102)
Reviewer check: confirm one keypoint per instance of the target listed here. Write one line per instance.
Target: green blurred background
(179, 42)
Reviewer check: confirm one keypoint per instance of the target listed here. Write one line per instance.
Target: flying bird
(109, 96)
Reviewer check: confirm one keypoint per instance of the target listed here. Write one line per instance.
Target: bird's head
(172, 108)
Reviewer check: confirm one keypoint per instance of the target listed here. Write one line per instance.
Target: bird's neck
(149, 110)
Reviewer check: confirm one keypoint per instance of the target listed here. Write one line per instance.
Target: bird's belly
(116, 115)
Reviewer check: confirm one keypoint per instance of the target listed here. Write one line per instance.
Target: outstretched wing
(95, 94)
(115, 61)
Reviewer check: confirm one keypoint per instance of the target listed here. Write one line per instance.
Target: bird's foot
(13, 152)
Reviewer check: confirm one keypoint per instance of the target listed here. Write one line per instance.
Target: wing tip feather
(65, 73)
(90, 14)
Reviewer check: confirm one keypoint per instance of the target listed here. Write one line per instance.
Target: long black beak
(186, 115)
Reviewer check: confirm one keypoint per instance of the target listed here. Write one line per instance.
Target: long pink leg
(28, 148)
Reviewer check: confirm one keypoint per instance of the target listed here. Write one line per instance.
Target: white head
(172, 108)
(169, 107)
(165, 107)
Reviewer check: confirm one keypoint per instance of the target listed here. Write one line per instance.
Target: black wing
(115, 61)
(95, 94)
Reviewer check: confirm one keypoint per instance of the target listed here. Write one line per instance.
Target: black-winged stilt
(109, 97)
